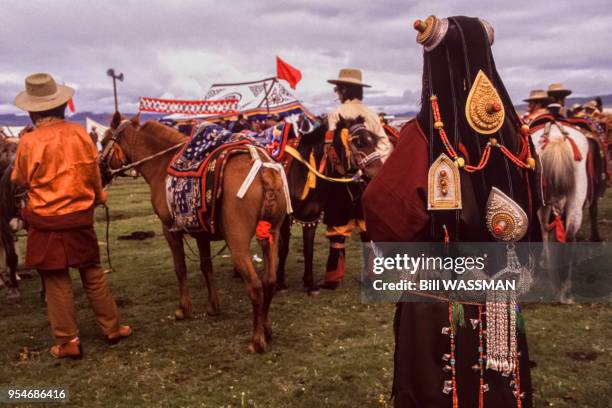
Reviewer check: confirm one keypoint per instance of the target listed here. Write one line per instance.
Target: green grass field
(329, 350)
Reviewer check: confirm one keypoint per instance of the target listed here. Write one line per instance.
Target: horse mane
(161, 132)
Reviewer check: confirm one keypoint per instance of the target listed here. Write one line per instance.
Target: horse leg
(175, 242)
(269, 279)
(11, 263)
(593, 213)
(242, 261)
(285, 237)
(207, 271)
(308, 238)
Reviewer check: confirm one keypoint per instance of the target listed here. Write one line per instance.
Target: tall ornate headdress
(432, 30)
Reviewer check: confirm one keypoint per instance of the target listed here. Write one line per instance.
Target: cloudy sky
(177, 49)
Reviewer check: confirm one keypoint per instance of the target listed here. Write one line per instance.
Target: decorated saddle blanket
(193, 181)
(274, 139)
(194, 176)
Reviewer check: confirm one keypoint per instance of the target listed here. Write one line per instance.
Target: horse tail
(273, 194)
(558, 167)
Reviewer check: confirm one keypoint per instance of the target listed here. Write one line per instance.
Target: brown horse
(151, 147)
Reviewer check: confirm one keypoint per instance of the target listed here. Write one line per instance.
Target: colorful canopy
(257, 98)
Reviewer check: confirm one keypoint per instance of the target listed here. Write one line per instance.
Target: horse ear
(116, 120)
(136, 120)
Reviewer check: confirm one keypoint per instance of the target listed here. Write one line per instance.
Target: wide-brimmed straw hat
(351, 76)
(537, 95)
(558, 89)
(42, 94)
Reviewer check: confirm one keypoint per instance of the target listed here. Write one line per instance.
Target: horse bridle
(362, 160)
(109, 150)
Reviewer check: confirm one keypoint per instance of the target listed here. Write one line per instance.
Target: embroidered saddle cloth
(193, 181)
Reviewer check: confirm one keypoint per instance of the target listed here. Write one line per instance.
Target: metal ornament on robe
(444, 185)
(484, 108)
(506, 220)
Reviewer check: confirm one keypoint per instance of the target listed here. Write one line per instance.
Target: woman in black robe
(395, 205)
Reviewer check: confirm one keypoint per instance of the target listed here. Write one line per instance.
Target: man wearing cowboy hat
(538, 100)
(349, 89)
(558, 93)
(57, 163)
(344, 213)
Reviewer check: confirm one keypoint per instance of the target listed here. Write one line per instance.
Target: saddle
(194, 176)
(193, 181)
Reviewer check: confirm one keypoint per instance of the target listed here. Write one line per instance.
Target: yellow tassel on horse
(311, 177)
(344, 136)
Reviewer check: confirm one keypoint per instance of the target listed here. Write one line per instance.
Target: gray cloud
(179, 48)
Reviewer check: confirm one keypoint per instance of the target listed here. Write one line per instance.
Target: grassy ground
(327, 351)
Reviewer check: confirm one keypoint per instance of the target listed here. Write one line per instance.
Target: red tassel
(577, 155)
(263, 231)
(557, 225)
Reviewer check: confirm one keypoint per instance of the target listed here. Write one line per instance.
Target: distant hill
(104, 118)
(79, 117)
(607, 102)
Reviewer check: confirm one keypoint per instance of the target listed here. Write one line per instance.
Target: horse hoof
(567, 300)
(268, 333)
(13, 294)
(314, 292)
(179, 314)
(212, 311)
(257, 346)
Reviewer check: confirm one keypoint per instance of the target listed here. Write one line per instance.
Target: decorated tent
(11, 131)
(97, 128)
(255, 99)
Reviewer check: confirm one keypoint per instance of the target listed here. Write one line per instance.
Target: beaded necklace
(484, 159)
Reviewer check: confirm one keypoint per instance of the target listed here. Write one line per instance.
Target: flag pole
(111, 73)
(266, 91)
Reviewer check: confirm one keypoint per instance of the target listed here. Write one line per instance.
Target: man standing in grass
(57, 163)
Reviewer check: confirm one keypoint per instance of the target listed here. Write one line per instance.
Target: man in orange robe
(57, 163)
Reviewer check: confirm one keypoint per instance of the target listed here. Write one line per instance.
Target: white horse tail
(558, 166)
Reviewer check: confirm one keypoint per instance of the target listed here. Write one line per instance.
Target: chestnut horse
(150, 148)
(362, 164)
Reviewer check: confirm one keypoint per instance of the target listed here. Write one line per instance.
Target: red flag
(287, 72)
(71, 105)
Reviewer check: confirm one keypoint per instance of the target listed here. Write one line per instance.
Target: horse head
(356, 146)
(8, 151)
(115, 144)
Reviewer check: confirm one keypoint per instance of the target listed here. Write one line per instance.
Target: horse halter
(113, 147)
(110, 150)
(362, 160)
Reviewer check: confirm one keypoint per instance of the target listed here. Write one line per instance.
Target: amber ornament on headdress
(430, 31)
(484, 108)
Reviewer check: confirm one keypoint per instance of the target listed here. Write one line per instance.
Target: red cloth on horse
(61, 241)
(395, 201)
